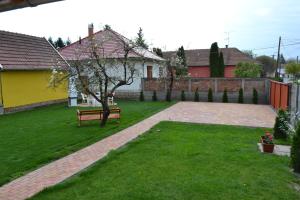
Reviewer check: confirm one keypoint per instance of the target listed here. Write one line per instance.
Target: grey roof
(111, 45)
(200, 57)
(24, 52)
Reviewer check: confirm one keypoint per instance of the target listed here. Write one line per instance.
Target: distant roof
(24, 52)
(200, 57)
(6, 5)
(111, 45)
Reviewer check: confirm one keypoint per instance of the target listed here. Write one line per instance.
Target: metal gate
(279, 95)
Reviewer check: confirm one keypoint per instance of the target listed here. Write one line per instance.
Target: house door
(149, 72)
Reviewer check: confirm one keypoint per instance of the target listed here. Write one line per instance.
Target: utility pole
(297, 59)
(278, 59)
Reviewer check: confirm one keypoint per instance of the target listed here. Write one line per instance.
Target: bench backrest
(97, 112)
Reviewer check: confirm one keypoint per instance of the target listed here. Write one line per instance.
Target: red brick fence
(189, 85)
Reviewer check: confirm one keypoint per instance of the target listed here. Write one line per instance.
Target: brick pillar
(216, 85)
(243, 84)
(190, 85)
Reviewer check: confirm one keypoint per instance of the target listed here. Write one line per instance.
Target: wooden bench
(89, 115)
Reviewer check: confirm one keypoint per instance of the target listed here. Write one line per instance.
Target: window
(149, 72)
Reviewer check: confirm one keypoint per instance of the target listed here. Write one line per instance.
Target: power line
(290, 44)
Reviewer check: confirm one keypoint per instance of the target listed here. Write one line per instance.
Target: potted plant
(267, 143)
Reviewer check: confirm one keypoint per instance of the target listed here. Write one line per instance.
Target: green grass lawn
(32, 138)
(185, 161)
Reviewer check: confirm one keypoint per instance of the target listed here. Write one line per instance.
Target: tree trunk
(106, 112)
(170, 87)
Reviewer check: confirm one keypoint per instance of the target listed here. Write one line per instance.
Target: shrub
(255, 96)
(247, 69)
(210, 95)
(295, 151)
(196, 97)
(293, 69)
(154, 97)
(168, 96)
(182, 95)
(225, 97)
(281, 126)
(241, 96)
(142, 96)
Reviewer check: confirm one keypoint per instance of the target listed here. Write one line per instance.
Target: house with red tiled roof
(111, 46)
(26, 64)
(198, 61)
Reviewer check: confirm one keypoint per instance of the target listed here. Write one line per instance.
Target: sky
(249, 24)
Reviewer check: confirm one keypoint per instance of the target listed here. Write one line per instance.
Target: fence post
(243, 84)
(267, 90)
(190, 85)
(216, 85)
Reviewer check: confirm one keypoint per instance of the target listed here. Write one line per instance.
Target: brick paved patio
(196, 112)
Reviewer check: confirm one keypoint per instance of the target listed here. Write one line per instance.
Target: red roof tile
(24, 52)
(200, 57)
(110, 45)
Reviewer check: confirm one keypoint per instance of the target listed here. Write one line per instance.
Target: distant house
(198, 61)
(25, 70)
(146, 63)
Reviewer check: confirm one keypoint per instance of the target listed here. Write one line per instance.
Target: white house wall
(141, 72)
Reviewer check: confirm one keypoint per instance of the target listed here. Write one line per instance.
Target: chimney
(226, 46)
(91, 29)
(79, 40)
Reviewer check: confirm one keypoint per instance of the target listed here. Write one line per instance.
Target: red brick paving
(213, 113)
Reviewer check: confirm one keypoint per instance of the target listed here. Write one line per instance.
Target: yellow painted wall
(21, 88)
(0, 91)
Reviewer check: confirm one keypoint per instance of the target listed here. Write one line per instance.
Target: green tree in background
(247, 70)
(68, 42)
(140, 41)
(181, 69)
(59, 43)
(282, 59)
(268, 65)
(107, 27)
(51, 41)
(249, 53)
(158, 52)
(293, 69)
(214, 60)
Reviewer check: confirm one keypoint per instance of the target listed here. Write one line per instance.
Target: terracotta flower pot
(267, 148)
